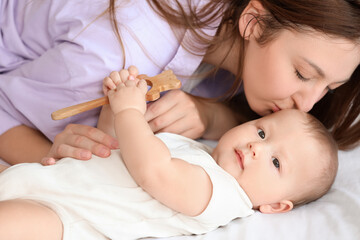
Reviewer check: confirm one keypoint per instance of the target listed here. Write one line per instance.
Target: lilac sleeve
(31, 92)
(54, 55)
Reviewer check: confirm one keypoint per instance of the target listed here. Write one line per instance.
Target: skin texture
(33, 145)
(28, 220)
(294, 82)
(183, 187)
(272, 158)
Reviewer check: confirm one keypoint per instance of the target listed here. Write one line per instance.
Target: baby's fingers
(133, 71)
(124, 75)
(131, 83)
(143, 86)
(116, 77)
(108, 84)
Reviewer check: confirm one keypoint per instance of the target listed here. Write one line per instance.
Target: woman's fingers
(76, 143)
(168, 102)
(161, 106)
(79, 142)
(185, 126)
(80, 152)
(176, 112)
(166, 118)
(93, 134)
(47, 161)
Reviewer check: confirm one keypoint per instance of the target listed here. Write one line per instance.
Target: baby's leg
(26, 219)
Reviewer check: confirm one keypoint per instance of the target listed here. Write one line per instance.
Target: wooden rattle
(159, 83)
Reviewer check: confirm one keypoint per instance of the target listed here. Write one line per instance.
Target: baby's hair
(328, 163)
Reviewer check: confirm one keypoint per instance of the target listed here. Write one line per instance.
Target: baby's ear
(280, 207)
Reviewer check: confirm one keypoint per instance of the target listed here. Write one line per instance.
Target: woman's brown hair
(336, 18)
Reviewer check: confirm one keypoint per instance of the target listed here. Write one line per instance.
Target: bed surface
(334, 216)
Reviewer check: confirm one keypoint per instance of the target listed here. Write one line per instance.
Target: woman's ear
(248, 22)
(280, 207)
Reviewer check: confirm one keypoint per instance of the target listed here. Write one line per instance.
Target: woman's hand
(190, 116)
(80, 142)
(177, 112)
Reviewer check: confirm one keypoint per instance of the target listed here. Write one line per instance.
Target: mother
(284, 54)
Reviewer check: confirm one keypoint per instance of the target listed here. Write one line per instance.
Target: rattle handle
(159, 83)
(79, 108)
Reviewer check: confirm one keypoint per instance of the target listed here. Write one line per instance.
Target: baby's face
(272, 158)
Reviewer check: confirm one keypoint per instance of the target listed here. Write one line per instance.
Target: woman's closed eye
(300, 76)
(276, 162)
(304, 79)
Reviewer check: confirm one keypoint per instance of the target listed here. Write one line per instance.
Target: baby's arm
(184, 187)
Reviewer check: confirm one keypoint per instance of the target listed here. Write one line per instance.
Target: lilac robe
(55, 53)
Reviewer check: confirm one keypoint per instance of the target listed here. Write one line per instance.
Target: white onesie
(98, 199)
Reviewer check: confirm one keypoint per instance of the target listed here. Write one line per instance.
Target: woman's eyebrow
(320, 72)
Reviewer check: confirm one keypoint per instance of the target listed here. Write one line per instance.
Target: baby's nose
(254, 149)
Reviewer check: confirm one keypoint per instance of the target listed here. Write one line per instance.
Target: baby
(165, 185)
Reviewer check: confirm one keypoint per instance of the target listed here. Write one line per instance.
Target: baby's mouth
(240, 158)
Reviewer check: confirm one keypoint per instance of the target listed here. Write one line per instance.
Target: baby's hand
(129, 94)
(110, 83)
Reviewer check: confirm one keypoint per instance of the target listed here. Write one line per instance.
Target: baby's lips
(240, 157)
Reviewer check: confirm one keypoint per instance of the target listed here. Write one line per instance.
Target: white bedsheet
(334, 216)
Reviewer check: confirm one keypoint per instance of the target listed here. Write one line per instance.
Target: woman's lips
(276, 108)
(240, 158)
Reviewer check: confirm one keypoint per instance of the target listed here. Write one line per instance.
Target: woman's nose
(306, 99)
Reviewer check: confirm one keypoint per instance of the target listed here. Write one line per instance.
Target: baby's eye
(276, 162)
(261, 133)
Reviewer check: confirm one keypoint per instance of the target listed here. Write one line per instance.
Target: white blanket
(334, 216)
